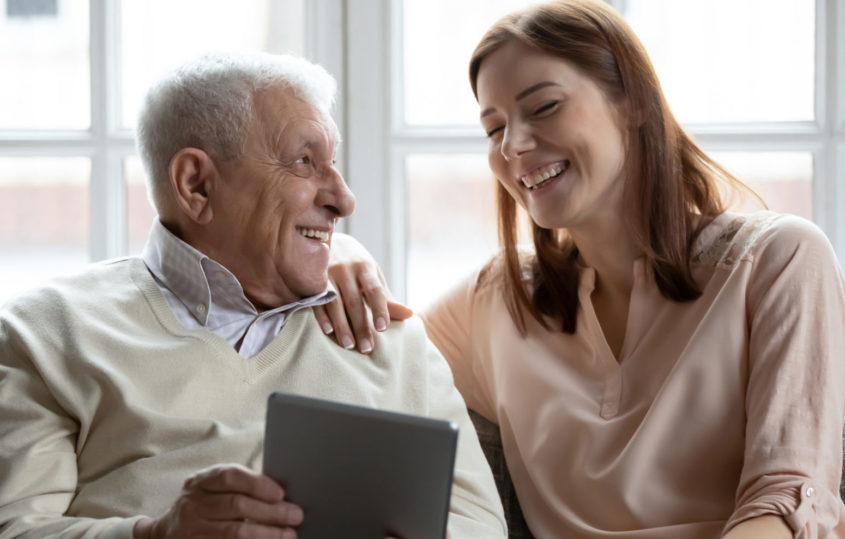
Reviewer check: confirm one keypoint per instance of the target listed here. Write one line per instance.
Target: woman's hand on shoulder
(364, 301)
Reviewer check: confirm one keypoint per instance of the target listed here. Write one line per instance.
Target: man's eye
(304, 160)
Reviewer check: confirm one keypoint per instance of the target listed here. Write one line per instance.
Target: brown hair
(668, 178)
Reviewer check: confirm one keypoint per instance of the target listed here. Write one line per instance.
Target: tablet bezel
(360, 472)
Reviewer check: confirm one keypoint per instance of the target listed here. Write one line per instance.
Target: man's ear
(193, 176)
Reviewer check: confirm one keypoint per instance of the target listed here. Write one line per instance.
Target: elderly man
(132, 395)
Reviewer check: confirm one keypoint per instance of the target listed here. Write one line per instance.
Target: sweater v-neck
(253, 365)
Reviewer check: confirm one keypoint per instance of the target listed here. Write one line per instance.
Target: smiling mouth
(314, 234)
(537, 179)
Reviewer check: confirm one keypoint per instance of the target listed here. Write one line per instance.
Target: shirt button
(810, 491)
(201, 308)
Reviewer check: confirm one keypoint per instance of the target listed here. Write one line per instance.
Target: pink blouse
(716, 411)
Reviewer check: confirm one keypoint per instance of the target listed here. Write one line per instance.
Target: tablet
(359, 472)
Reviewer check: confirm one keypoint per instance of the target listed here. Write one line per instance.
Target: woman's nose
(518, 139)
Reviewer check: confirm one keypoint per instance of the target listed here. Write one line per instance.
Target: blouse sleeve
(796, 382)
(449, 324)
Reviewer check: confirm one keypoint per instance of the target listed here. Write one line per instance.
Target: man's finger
(236, 530)
(237, 479)
(236, 507)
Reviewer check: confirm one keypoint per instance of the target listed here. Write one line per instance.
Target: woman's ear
(193, 176)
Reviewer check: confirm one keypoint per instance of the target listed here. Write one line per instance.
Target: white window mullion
(99, 221)
(397, 233)
(836, 71)
(836, 104)
(119, 141)
(108, 192)
(325, 44)
(824, 160)
(367, 125)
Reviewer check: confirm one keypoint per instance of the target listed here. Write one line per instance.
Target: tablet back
(359, 472)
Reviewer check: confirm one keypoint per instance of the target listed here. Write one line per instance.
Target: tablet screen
(359, 472)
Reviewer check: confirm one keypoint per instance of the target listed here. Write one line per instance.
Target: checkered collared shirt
(205, 295)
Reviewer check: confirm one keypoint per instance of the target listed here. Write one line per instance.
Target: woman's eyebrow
(531, 89)
(523, 94)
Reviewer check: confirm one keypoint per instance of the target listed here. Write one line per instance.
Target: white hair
(208, 103)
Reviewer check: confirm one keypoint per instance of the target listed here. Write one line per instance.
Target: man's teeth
(535, 180)
(311, 233)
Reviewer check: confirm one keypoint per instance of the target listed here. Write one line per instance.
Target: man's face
(276, 207)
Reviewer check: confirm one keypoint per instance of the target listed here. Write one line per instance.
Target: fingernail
(296, 515)
(348, 343)
(327, 328)
(366, 347)
(381, 324)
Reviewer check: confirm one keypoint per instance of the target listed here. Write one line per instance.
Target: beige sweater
(108, 404)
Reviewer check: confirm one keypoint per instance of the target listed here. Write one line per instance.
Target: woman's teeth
(311, 233)
(533, 181)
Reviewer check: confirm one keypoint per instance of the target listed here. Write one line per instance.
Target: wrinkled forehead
(282, 114)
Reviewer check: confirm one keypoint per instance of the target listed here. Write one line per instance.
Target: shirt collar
(197, 280)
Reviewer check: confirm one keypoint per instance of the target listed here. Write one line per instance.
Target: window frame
(357, 42)
(376, 164)
(107, 143)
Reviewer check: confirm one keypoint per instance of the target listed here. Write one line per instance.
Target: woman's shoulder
(733, 237)
(492, 276)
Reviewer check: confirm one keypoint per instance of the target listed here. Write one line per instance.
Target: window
(764, 106)
(71, 187)
(771, 109)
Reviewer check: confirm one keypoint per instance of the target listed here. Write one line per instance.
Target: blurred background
(759, 84)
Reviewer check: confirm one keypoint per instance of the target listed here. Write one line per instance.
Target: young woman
(658, 367)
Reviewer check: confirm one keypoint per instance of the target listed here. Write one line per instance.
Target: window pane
(783, 180)
(158, 35)
(451, 221)
(45, 66)
(731, 60)
(438, 39)
(139, 212)
(43, 219)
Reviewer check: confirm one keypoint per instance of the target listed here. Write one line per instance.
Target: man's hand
(226, 501)
(360, 285)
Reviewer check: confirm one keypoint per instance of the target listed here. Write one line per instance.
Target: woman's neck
(609, 248)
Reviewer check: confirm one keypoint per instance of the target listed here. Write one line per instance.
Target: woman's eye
(304, 160)
(493, 131)
(547, 107)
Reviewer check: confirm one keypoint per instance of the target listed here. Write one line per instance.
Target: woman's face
(554, 139)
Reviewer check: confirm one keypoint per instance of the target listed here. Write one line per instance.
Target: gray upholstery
(491, 443)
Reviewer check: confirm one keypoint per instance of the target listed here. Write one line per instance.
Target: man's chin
(313, 288)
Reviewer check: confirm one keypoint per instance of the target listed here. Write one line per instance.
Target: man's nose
(336, 196)
(518, 139)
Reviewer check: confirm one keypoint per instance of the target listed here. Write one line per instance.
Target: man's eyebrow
(523, 94)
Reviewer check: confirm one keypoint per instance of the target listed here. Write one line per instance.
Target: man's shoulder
(90, 284)
(402, 333)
